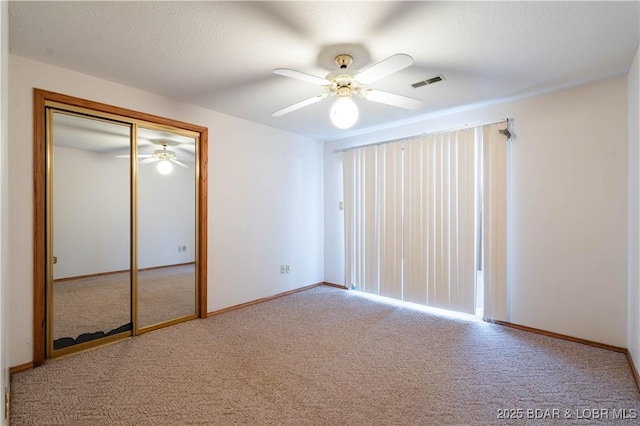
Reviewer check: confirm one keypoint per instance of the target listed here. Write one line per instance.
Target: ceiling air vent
(431, 80)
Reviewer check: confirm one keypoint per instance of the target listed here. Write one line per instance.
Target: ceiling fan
(344, 82)
(163, 156)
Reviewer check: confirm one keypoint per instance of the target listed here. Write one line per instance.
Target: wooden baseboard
(340, 286)
(264, 299)
(634, 370)
(625, 351)
(560, 336)
(20, 368)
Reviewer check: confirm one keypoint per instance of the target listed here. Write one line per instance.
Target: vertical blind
(494, 213)
(361, 214)
(412, 218)
(440, 221)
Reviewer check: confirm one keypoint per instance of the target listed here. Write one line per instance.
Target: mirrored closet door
(89, 199)
(166, 227)
(118, 240)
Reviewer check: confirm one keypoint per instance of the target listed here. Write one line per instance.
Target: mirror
(90, 213)
(120, 249)
(166, 226)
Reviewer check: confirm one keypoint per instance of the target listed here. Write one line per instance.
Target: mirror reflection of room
(94, 293)
(91, 230)
(166, 226)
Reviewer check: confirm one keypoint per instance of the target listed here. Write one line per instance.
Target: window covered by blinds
(414, 211)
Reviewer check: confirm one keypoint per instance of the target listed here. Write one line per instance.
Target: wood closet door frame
(40, 98)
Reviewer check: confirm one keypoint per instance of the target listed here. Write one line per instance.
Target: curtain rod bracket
(505, 132)
(508, 132)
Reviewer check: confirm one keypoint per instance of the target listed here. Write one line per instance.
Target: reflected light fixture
(344, 113)
(164, 167)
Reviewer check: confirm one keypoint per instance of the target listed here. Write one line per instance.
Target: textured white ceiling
(220, 55)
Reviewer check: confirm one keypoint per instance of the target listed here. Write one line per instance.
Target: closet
(120, 223)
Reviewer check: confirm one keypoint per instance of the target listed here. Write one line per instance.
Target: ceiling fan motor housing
(342, 80)
(343, 61)
(163, 154)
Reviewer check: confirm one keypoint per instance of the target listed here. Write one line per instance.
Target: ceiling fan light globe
(344, 113)
(164, 167)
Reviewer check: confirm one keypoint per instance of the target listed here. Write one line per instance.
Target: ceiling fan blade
(173, 160)
(186, 148)
(149, 160)
(386, 67)
(299, 105)
(302, 76)
(391, 99)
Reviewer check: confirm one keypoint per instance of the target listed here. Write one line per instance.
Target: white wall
(265, 196)
(272, 189)
(4, 206)
(567, 245)
(633, 82)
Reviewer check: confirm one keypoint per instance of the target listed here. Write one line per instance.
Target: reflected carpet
(103, 303)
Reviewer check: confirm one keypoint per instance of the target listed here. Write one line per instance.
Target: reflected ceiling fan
(344, 82)
(163, 157)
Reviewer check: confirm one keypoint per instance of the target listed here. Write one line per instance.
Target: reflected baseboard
(151, 268)
(102, 274)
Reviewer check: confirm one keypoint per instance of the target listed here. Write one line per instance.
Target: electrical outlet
(282, 269)
(184, 248)
(288, 269)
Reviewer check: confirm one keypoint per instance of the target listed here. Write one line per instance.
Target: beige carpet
(326, 357)
(103, 303)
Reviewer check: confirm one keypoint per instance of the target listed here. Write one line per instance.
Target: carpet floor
(330, 357)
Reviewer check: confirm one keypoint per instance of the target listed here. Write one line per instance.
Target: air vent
(431, 80)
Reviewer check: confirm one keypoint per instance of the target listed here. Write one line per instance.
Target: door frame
(40, 99)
